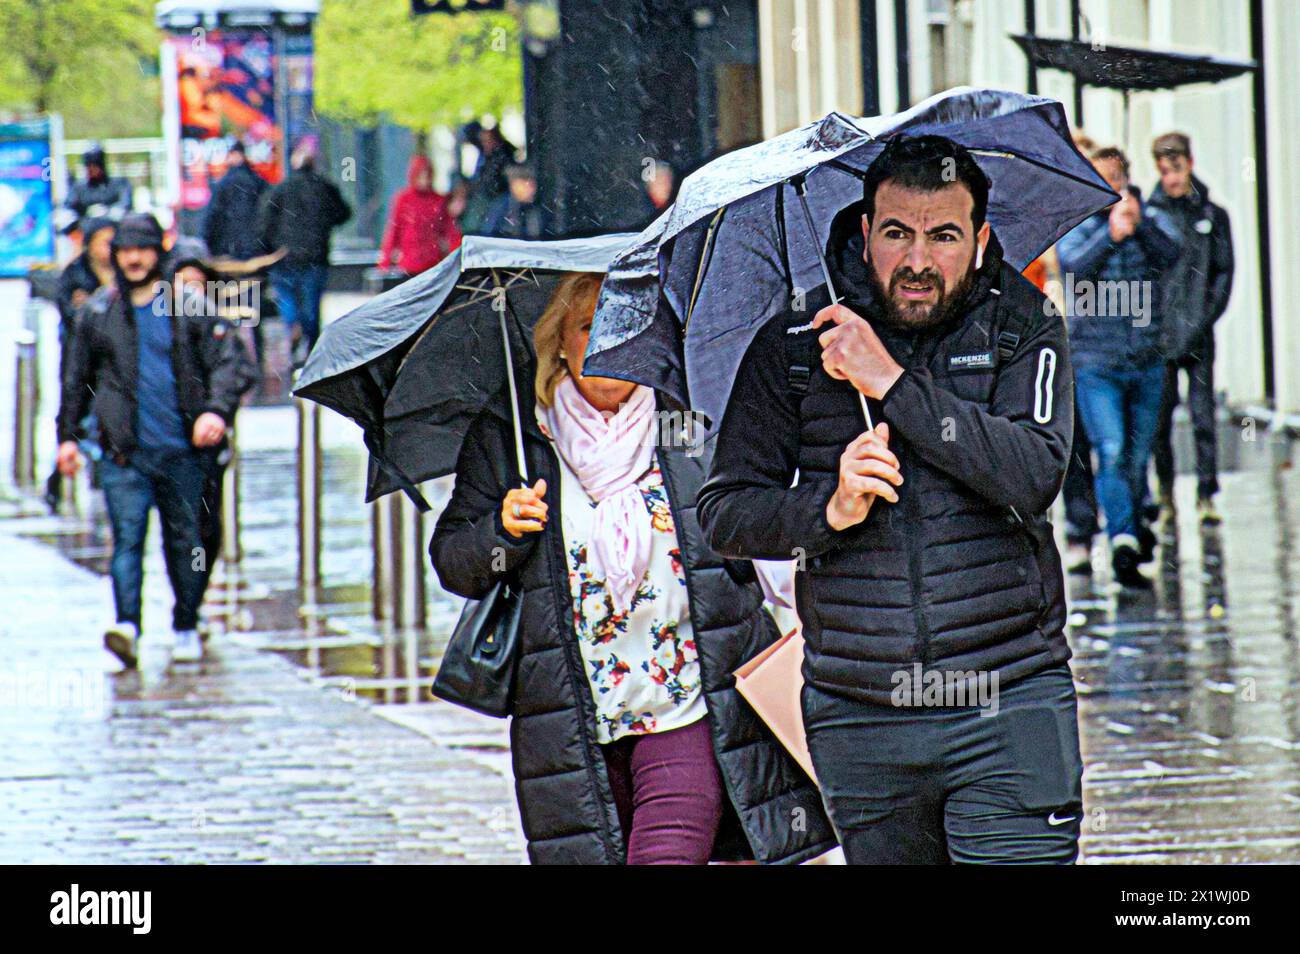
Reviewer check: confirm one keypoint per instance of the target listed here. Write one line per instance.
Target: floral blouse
(642, 665)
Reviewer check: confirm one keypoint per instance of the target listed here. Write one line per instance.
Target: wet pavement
(242, 758)
(1190, 696)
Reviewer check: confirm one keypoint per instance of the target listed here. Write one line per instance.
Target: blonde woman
(629, 741)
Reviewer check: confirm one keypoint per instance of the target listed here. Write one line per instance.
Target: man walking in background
(298, 216)
(518, 214)
(1196, 296)
(1113, 263)
(229, 225)
(98, 195)
(164, 384)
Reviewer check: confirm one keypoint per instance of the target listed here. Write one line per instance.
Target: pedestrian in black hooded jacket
(230, 222)
(164, 378)
(298, 216)
(585, 798)
(930, 577)
(1197, 292)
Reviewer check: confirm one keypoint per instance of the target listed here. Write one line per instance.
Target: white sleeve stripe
(1043, 386)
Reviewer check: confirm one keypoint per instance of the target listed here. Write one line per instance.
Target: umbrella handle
(801, 190)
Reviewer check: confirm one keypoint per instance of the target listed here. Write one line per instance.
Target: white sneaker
(123, 641)
(188, 647)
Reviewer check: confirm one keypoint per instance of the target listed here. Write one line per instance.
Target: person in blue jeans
(299, 287)
(297, 217)
(1112, 264)
(164, 383)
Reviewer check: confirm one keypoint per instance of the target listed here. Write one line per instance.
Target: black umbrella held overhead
(415, 365)
(682, 304)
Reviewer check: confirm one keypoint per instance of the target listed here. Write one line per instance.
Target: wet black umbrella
(415, 365)
(683, 303)
(1127, 68)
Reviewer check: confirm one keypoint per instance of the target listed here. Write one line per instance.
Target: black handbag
(478, 668)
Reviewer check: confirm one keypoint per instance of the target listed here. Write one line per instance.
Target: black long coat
(564, 794)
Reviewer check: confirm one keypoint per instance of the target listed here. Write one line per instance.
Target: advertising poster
(26, 197)
(228, 85)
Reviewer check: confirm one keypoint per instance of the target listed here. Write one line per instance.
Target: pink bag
(771, 683)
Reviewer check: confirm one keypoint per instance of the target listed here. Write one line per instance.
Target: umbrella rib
(1044, 165)
(706, 256)
(845, 167)
(474, 298)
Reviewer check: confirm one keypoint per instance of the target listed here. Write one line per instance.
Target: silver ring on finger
(514, 509)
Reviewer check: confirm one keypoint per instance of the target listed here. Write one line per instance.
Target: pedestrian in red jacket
(420, 228)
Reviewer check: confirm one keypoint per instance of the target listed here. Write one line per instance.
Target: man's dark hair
(238, 146)
(1171, 146)
(520, 170)
(928, 163)
(1112, 152)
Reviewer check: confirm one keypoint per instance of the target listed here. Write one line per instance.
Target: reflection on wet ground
(1190, 723)
(1188, 694)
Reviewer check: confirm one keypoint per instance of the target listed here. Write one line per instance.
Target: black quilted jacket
(962, 573)
(564, 795)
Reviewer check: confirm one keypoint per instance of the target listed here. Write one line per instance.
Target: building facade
(867, 56)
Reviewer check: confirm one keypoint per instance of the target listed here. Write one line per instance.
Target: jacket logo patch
(971, 361)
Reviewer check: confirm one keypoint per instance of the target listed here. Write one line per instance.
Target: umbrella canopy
(717, 254)
(1127, 67)
(415, 365)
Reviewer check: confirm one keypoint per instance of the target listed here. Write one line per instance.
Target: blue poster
(26, 199)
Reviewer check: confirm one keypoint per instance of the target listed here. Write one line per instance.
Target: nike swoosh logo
(1053, 820)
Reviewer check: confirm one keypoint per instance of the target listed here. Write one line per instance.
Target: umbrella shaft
(514, 397)
(800, 191)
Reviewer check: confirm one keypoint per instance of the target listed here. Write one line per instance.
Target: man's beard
(153, 275)
(920, 316)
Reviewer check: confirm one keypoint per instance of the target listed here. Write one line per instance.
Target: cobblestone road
(240, 759)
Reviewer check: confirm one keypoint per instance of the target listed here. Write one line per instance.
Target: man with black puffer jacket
(1197, 292)
(164, 378)
(939, 708)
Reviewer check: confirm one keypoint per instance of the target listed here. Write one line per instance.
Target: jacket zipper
(687, 572)
(919, 358)
(581, 688)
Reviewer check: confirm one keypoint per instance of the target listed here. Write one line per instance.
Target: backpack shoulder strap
(1014, 322)
(800, 346)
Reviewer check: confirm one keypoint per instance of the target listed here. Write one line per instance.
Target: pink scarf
(608, 456)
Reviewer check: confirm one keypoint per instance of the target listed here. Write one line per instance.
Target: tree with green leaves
(89, 61)
(376, 59)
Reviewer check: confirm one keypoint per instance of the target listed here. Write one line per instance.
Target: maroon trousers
(668, 792)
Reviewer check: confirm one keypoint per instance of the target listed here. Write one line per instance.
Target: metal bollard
(26, 398)
(397, 538)
(231, 554)
(381, 559)
(310, 465)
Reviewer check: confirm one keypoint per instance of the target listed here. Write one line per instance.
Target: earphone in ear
(979, 257)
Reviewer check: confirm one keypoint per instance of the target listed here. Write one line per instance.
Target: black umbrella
(415, 365)
(1127, 68)
(682, 304)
